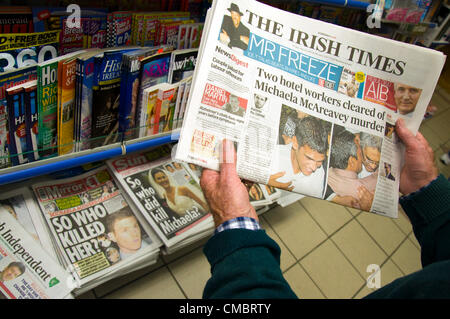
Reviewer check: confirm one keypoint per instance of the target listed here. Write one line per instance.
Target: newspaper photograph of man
(389, 131)
(259, 101)
(233, 33)
(388, 171)
(406, 98)
(371, 153)
(12, 271)
(288, 122)
(124, 230)
(299, 164)
(346, 162)
(233, 106)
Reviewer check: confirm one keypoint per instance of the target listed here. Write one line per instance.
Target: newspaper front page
(95, 230)
(311, 106)
(167, 193)
(26, 270)
(20, 203)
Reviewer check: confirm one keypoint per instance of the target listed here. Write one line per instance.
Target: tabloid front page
(95, 230)
(166, 192)
(310, 105)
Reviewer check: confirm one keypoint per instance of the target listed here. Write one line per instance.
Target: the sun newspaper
(167, 193)
(26, 269)
(97, 234)
(311, 106)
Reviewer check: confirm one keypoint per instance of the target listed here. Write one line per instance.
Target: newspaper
(26, 270)
(299, 97)
(167, 193)
(96, 232)
(21, 204)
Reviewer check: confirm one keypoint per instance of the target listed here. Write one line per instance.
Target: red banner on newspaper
(217, 97)
(379, 91)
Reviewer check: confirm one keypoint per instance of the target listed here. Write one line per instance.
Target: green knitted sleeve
(245, 264)
(429, 212)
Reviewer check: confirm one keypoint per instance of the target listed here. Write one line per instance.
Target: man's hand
(419, 168)
(226, 195)
(365, 198)
(348, 201)
(224, 38)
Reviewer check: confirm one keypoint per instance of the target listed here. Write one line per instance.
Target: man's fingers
(405, 134)
(208, 179)
(227, 159)
(421, 139)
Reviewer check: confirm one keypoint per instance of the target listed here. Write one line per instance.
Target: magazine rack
(64, 162)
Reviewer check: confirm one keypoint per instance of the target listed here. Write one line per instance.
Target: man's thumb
(227, 157)
(405, 134)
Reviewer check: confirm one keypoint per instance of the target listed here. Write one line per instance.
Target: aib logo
(74, 19)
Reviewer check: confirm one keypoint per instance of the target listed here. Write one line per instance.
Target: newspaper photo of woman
(179, 198)
(255, 193)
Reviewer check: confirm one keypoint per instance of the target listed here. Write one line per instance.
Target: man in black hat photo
(233, 33)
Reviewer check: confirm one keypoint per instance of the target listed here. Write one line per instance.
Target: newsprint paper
(167, 193)
(311, 106)
(96, 232)
(26, 270)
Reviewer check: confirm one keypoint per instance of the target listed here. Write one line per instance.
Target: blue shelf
(26, 171)
(343, 3)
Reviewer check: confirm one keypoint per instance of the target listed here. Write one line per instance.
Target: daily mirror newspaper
(311, 106)
(26, 270)
(96, 232)
(167, 193)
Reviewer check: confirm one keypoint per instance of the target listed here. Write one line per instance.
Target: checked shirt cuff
(239, 223)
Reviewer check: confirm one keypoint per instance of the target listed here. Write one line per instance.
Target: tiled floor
(326, 248)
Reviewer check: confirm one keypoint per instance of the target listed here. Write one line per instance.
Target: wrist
(419, 184)
(428, 202)
(241, 222)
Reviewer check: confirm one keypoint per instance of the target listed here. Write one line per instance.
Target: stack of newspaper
(310, 105)
(27, 271)
(168, 195)
(96, 234)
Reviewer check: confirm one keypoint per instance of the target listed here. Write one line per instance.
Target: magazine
(182, 64)
(66, 103)
(278, 77)
(16, 125)
(7, 80)
(20, 50)
(167, 193)
(31, 119)
(26, 270)
(89, 219)
(16, 20)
